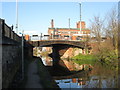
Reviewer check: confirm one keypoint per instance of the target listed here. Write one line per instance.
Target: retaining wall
(11, 52)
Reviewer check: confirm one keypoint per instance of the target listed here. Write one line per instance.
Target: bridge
(12, 46)
(45, 43)
(59, 47)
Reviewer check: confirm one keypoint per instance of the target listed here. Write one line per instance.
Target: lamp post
(22, 55)
(40, 36)
(54, 33)
(69, 29)
(17, 16)
(80, 16)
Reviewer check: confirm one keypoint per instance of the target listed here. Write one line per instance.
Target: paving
(33, 78)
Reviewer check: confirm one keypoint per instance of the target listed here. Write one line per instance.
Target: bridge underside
(58, 45)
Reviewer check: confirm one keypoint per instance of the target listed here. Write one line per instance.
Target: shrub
(107, 56)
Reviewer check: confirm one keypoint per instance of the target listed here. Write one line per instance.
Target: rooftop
(71, 28)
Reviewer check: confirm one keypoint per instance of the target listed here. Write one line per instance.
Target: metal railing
(38, 38)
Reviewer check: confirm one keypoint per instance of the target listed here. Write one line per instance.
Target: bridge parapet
(7, 31)
(42, 43)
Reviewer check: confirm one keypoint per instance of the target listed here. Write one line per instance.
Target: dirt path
(33, 78)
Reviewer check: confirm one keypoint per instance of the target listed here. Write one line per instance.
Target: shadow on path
(33, 78)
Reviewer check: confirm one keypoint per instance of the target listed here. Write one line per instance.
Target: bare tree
(112, 27)
(97, 25)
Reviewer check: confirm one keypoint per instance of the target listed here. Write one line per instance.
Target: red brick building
(27, 37)
(69, 33)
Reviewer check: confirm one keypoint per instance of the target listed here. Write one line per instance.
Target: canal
(99, 77)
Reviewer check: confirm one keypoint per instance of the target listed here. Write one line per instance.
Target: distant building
(69, 33)
(27, 37)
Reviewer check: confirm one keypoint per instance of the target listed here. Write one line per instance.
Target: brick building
(69, 33)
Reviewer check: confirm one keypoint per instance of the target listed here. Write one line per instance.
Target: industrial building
(69, 33)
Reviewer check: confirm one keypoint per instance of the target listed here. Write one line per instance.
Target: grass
(108, 59)
(84, 59)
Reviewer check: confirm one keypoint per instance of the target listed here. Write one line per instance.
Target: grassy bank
(84, 59)
(105, 57)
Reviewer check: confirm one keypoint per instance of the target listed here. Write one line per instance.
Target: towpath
(33, 78)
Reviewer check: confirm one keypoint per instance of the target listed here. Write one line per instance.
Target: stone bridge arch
(57, 45)
(44, 43)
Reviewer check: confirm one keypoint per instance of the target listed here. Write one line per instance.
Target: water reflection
(47, 61)
(67, 83)
(93, 82)
(99, 77)
(71, 83)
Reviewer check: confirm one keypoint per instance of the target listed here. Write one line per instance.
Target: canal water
(88, 82)
(99, 77)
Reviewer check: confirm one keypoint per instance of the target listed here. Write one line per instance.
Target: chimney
(52, 23)
(83, 24)
(78, 24)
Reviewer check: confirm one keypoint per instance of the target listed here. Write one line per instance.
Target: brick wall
(68, 33)
(82, 24)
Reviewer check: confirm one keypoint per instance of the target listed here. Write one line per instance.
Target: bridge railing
(8, 31)
(39, 38)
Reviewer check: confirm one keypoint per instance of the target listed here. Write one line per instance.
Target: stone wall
(66, 64)
(11, 56)
(11, 62)
(0, 57)
(70, 52)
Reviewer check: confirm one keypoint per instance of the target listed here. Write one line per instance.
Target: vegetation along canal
(84, 71)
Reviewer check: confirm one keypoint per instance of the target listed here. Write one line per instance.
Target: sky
(35, 17)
